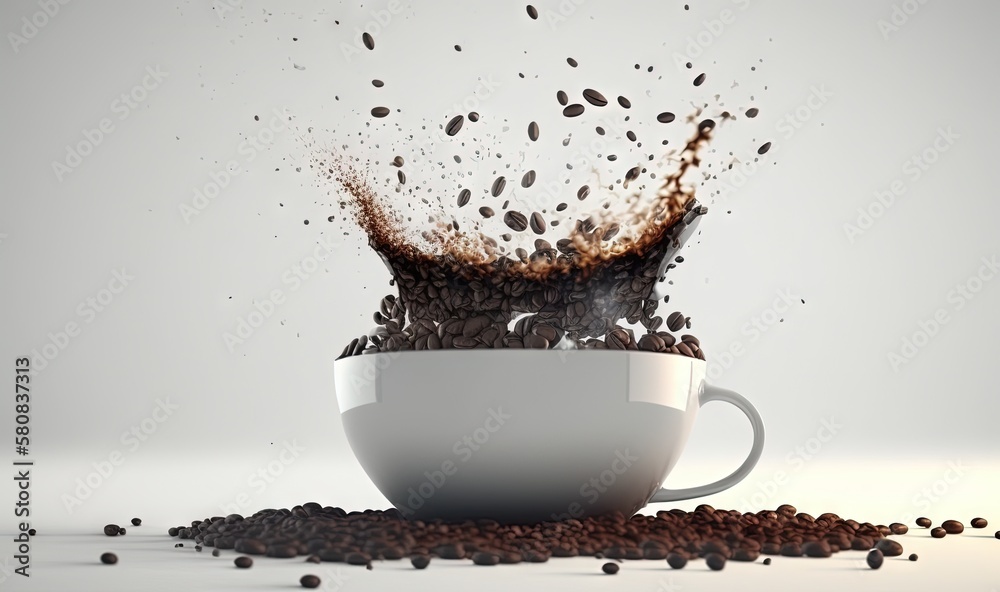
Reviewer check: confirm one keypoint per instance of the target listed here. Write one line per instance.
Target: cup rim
(536, 352)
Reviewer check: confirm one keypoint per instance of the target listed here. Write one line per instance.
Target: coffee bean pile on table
(330, 534)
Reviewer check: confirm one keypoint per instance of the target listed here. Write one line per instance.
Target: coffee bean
(532, 12)
(109, 558)
(665, 117)
(216, 553)
(997, 534)
(889, 548)
(571, 62)
(463, 197)
(380, 111)
(817, 549)
(764, 148)
(473, 116)
(715, 561)
(912, 557)
(610, 568)
(366, 38)
(874, 559)
(599, 130)
(583, 192)
(952, 526)
(924, 522)
(938, 532)
(573, 110)
(516, 221)
(675, 322)
(533, 131)
(752, 112)
(309, 581)
(420, 561)
(454, 125)
(33, 532)
(398, 161)
(358, 558)
(243, 562)
(791, 550)
(401, 176)
(699, 79)
(561, 206)
(483, 558)
(250, 546)
(979, 523)
(562, 97)
(897, 528)
(498, 186)
(706, 125)
(624, 102)
(178, 545)
(486, 212)
(112, 530)
(528, 179)
(594, 98)
(767, 561)
(537, 223)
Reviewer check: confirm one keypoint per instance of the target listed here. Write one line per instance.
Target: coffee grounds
(718, 536)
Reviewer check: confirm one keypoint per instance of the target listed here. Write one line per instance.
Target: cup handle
(713, 393)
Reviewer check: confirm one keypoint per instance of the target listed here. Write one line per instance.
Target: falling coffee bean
(528, 179)
(924, 522)
(401, 176)
(752, 112)
(454, 125)
(571, 62)
(715, 561)
(136, 522)
(562, 97)
(486, 212)
(624, 102)
(583, 192)
(380, 111)
(243, 562)
(473, 116)
(109, 558)
(498, 186)
(676, 321)
(952, 526)
(699, 80)
(610, 568)
(367, 39)
(665, 117)
(532, 12)
(979, 523)
(533, 131)
(764, 148)
(594, 98)
(377, 83)
(573, 110)
(874, 559)
(112, 530)
(515, 220)
(562, 206)
(537, 223)
(463, 197)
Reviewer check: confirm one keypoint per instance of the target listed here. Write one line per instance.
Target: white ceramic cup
(527, 435)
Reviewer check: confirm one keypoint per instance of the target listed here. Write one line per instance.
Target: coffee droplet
(498, 186)
(454, 125)
(368, 41)
(528, 179)
(380, 111)
(533, 131)
(665, 117)
(532, 12)
(573, 110)
(764, 148)
(463, 197)
(594, 98)
(562, 97)
(752, 112)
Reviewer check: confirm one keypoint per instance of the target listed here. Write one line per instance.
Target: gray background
(61, 240)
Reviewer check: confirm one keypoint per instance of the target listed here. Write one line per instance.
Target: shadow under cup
(525, 435)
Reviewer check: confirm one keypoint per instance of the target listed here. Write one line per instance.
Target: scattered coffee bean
(997, 534)
(473, 116)
(216, 553)
(952, 526)
(109, 558)
(483, 558)
(817, 549)
(938, 532)
(898, 528)
(624, 102)
(767, 561)
(924, 522)
(532, 12)
(573, 110)
(571, 62)
(594, 98)
(562, 97)
(397, 162)
(537, 223)
(420, 561)
(764, 148)
(366, 38)
(874, 559)
(699, 79)
(377, 83)
(583, 192)
(516, 221)
(454, 125)
(715, 561)
(912, 557)
(528, 179)
(401, 176)
(136, 522)
(752, 112)
(979, 523)
(463, 197)
(32, 532)
(309, 581)
(112, 530)
(486, 212)
(243, 562)
(889, 548)
(533, 131)
(676, 320)
(498, 186)
(676, 560)
(380, 111)
(610, 568)
(665, 117)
